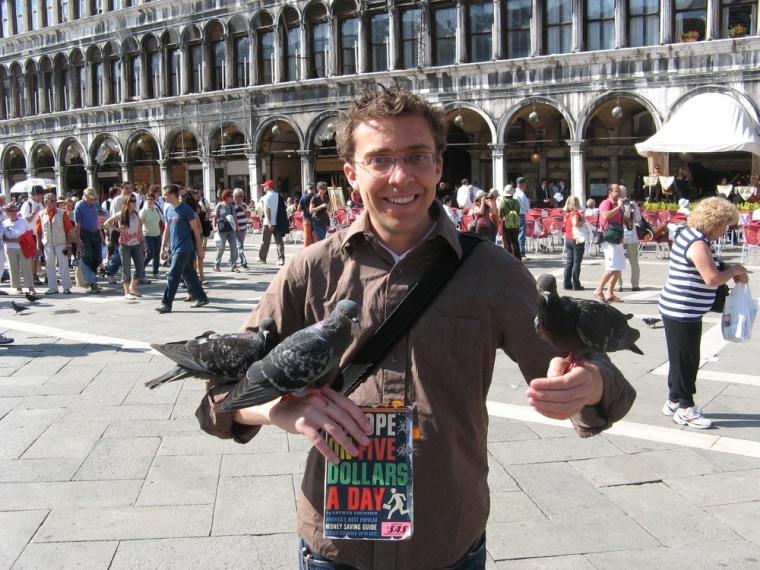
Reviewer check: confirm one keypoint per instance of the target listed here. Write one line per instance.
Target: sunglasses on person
(133, 201)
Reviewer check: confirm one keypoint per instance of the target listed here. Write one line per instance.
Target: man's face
(397, 201)
(126, 189)
(51, 204)
(614, 192)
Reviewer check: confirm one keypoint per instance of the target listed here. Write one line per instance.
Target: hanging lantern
(276, 129)
(459, 120)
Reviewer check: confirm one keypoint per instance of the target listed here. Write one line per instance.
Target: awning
(711, 122)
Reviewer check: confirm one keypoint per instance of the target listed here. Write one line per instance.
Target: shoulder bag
(28, 244)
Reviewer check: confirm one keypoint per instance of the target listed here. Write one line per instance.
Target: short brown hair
(378, 101)
(227, 193)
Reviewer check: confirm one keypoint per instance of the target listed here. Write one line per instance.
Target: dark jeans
(154, 252)
(475, 560)
(92, 249)
(182, 269)
(682, 339)
(573, 257)
(114, 264)
(521, 235)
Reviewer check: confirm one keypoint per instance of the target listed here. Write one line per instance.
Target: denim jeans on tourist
(227, 237)
(154, 252)
(240, 235)
(114, 264)
(92, 248)
(573, 258)
(320, 230)
(182, 269)
(131, 254)
(521, 235)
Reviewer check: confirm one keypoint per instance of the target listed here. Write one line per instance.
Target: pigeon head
(346, 309)
(267, 326)
(546, 285)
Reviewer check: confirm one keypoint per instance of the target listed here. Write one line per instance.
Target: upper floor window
(292, 46)
(378, 42)
(480, 29)
(559, 26)
(96, 78)
(152, 68)
(517, 28)
(7, 29)
(411, 37)
(737, 18)
(318, 42)
(643, 22)
(63, 10)
(348, 41)
(266, 56)
(32, 89)
(218, 57)
(21, 13)
(690, 16)
(195, 62)
(444, 35)
(240, 48)
(600, 24)
(78, 81)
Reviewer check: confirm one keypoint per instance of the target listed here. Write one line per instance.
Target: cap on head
(268, 184)
(520, 180)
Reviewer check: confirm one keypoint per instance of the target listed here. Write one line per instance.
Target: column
(666, 22)
(393, 36)
(332, 60)
(277, 52)
(304, 53)
(536, 27)
(125, 173)
(90, 170)
(163, 165)
(461, 34)
(58, 175)
(614, 166)
(5, 182)
(209, 182)
(577, 169)
(497, 165)
(578, 11)
(253, 172)
(361, 42)
(497, 38)
(307, 167)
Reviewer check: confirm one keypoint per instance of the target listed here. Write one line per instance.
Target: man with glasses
(87, 229)
(55, 235)
(392, 142)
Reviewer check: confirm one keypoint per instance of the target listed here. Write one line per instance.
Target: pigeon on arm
(219, 358)
(298, 363)
(581, 327)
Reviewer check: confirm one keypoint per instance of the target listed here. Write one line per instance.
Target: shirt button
(394, 358)
(399, 271)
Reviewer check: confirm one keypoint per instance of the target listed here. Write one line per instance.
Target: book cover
(369, 496)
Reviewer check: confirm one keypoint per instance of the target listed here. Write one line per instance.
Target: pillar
(497, 165)
(577, 170)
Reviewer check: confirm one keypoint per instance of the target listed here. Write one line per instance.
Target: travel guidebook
(370, 496)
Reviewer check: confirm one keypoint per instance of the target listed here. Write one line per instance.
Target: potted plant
(737, 31)
(689, 36)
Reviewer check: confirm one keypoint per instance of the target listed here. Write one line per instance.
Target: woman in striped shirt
(693, 278)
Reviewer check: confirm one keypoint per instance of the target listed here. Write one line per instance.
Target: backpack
(512, 220)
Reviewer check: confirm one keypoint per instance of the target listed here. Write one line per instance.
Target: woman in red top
(574, 246)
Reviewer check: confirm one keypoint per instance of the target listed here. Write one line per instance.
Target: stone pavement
(96, 471)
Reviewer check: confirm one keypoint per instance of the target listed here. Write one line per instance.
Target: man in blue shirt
(183, 234)
(88, 232)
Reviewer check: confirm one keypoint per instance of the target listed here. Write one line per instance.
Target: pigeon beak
(355, 320)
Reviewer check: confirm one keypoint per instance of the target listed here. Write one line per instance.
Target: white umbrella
(29, 183)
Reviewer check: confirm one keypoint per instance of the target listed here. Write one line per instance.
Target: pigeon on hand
(298, 362)
(581, 327)
(219, 358)
(18, 308)
(650, 322)
(31, 297)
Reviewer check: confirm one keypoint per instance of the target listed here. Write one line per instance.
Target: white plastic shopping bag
(739, 314)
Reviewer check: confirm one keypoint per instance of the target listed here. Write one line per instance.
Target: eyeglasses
(133, 201)
(384, 164)
(150, 198)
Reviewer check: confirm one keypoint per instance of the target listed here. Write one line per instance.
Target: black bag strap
(405, 314)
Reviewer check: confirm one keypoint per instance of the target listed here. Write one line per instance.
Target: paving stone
(16, 530)
(254, 505)
(50, 495)
(181, 480)
(513, 506)
(549, 450)
(64, 555)
(68, 437)
(149, 428)
(266, 552)
(719, 488)
(499, 478)
(119, 458)
(708, 554)
(742, 518)
(37, 470)
(240, 465)
(19, 429)
(7, 404)
(666, 515)
(571, 562)
(125, 523)
(117, 412)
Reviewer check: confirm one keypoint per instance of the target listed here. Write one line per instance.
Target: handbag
(613, 233)
(224, 226)
(28, 244)
(405, 315)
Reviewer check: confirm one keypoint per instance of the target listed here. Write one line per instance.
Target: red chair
(466, 219)
(652, 217)
(256, 223)
(340, 217)
(750, 232)
(542, 230)
(296, 228)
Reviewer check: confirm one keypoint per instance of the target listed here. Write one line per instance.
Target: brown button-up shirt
(442, 367)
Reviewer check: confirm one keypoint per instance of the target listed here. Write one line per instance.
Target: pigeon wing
(603, 328)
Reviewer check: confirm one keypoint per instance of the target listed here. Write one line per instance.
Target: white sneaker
(669, 408)
(691, 417)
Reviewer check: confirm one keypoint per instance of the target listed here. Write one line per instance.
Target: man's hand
(323, 411)
(566, 389)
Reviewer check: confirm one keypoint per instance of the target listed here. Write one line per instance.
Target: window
(378, 40)
(643, 22)
(33, 82)
(152, 68)
(292, 53)
(690, 16)
(77, 81)
(63, 9)
(17, 92)
(349, 46)
(480, 31)
(320, 50)
(517, 28)
(7, 30)
(62, 71)
(195, 62)
(218, 57)
(266, 56)
(20, 15)
(559, 26)
(46, 69)
(411, 30)
(96, 78)
(34, 15)
(600, 24)
(115, 84)
(445, 36)
(132, 70)
(737, 18)
(240, 48)
(174, 80)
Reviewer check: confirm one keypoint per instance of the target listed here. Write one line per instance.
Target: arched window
(411, 37)
(32, 89)
(46, 73)
(241, 46)
(517, 28)
(62, 81)
(77, 80)
(112, 62)
(265, 48)
(319, 37)
(152, 67)
(17, 92)
(97, 80)
(559, 26)
(195, 63)
(5, 94)
(173, 62)
(218, 49)
(444, 34)
(348, 38)
(292, 51)
(131, 69)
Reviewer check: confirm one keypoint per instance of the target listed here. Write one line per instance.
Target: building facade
(218, 93)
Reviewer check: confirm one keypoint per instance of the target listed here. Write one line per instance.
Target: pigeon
(31, 297)
(650, 322)
(18, 308)
(581, 327)
(298, 362)
(219, 358)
